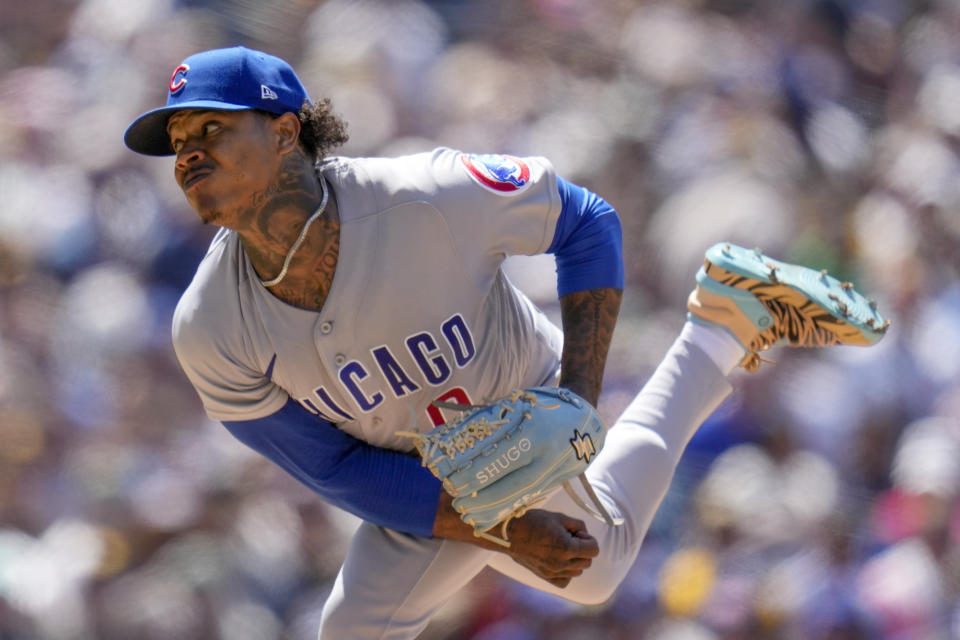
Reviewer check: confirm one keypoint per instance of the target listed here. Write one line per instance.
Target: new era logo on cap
(266, 93)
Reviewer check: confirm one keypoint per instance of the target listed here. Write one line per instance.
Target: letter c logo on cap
(179, 78)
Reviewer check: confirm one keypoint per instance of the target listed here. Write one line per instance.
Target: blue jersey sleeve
(382, 486)
(587, 243)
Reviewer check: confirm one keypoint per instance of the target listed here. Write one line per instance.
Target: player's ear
(286, 129)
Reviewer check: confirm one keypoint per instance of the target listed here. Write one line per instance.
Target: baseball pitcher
(351, 323)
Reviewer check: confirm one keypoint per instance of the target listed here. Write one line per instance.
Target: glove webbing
(429, 445)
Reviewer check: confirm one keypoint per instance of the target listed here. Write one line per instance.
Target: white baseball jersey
(419, 309)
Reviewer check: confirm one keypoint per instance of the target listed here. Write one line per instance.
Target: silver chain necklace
(303, 233)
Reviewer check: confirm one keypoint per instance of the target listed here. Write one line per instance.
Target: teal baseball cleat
(764, 302)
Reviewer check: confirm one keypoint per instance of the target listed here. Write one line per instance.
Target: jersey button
(326, 327)
(339, 359)
(377, 420)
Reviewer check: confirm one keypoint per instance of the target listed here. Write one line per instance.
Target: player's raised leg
(632, 473)
(744, 303)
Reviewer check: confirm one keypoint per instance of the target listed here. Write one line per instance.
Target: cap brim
(148, 133)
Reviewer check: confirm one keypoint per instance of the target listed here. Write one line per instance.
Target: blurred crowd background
(819, 502)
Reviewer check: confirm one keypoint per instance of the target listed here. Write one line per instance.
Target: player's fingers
(581, 543)
(574, 525)
(565, 576)
(573, 567)
(584, 547)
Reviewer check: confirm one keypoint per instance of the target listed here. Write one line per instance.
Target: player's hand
(552, 545)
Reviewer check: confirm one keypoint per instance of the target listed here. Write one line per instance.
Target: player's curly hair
(321, 130)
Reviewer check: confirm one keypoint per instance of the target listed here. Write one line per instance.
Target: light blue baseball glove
(499, 460)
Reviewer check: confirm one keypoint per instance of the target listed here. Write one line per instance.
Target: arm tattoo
(588, 321)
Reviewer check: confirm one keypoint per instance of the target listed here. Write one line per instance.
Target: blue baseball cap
(231, 79)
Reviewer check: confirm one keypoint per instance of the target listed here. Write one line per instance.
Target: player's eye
(209, 128)
(177, 145)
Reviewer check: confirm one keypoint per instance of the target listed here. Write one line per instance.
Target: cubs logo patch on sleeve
(501, 174)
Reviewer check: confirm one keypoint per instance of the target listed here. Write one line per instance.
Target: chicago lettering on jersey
(368, 382)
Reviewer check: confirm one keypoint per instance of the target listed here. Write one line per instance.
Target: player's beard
(212, 206)
(207, 210)
(210, 213)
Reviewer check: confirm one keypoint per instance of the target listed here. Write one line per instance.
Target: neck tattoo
(303, 234)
